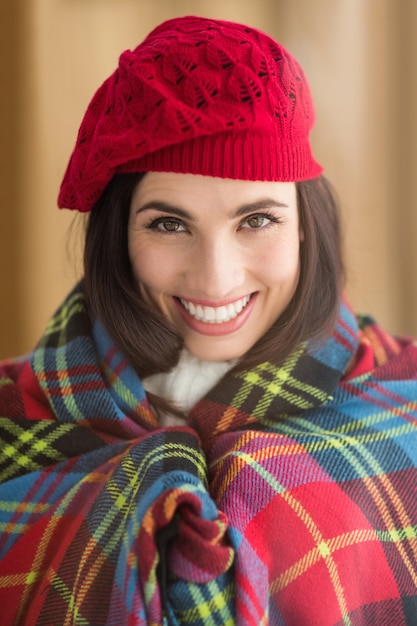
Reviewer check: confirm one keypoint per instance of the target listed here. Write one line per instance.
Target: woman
(206, 434)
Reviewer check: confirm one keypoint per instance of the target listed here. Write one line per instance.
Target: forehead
(187, 188)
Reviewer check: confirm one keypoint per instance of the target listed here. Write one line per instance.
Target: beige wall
(358, 57)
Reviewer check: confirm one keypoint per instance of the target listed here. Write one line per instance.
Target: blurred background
(359, 56)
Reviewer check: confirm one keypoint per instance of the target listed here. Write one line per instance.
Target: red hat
(198, 96)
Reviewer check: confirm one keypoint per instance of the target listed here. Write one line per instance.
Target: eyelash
(155, 223)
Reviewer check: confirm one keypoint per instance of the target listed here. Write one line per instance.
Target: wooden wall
(360, 60)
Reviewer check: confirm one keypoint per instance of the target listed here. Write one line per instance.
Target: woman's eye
(258, 221)
(167, 225)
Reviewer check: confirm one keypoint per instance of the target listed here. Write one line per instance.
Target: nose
(217, 269)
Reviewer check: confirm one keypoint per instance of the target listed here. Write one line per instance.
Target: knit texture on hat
(198, 96)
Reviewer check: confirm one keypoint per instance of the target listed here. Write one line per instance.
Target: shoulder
(11, 401)
(20, 394)
(384, 345)
(392, 356)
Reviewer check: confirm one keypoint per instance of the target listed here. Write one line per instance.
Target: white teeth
(221, 314)
(230, 310)
(210, 314)
(215, 314)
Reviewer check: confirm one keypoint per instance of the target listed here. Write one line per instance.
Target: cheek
(154, 271)
(280, 263)
(144, 267)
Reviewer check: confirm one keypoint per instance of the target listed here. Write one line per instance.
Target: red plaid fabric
(290, 499)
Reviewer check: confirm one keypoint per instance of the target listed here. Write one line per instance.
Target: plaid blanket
(289, 499)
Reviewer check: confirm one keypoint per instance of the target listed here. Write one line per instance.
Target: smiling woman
(150, 341)
(220, 270)
(206, 433)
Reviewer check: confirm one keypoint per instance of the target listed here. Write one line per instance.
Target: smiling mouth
(215, 314)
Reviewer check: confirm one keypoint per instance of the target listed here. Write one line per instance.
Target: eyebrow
(244, 209)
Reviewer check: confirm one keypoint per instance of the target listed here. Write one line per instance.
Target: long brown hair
(149, 342)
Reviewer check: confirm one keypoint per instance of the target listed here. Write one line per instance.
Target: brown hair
(149, 342)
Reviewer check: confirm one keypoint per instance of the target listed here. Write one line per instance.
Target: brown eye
(167, 225)
(170, 225)
(256, 221)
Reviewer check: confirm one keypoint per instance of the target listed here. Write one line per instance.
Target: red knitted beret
(198, 96)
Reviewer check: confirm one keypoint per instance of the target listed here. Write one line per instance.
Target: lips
(215, 321)
(215, 314)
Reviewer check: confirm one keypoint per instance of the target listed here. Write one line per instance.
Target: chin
(214, 354)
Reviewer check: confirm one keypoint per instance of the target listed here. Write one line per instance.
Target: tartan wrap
(290, 499)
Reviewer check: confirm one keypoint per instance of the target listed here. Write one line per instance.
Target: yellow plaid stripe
(380, 487)
(277, 381)
(89, 567)
(209, 611)
(243, 460)
(73, 305)
(270, 448)
(360, 458)
(28, 443)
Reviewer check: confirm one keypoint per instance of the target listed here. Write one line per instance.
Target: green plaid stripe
(58, 329)
(28, 446)
(266, 382)
(209, 605)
